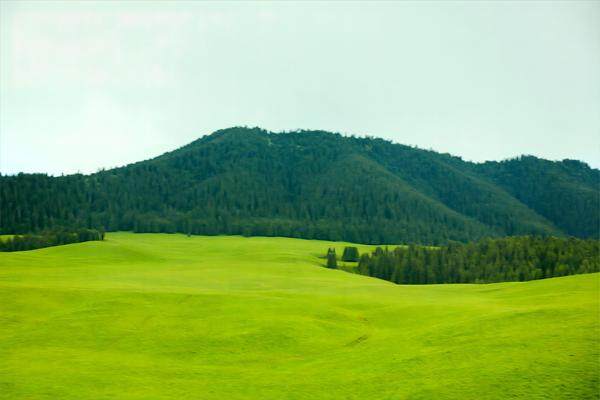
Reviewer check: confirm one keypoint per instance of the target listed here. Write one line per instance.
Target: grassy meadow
(158, 316)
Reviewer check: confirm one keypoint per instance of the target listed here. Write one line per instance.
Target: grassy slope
(170, 317)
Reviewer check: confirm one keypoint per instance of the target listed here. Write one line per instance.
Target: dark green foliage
(331, 259)
(350, 254)
(490, 260)
(565, 193)
(49, 238)
(313, 185)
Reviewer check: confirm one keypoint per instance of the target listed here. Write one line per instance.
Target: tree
(331, 259)
(49, 238)
(304, 184)
(491, 260)
(363, 264)
(350, 254)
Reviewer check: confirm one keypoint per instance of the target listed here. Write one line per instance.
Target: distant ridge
(313, 184)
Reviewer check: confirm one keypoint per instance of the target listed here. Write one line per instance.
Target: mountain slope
(311, 184)
(565, 192)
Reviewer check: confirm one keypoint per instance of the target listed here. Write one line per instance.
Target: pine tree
(331, 259)
(491, 260)
(350, 254)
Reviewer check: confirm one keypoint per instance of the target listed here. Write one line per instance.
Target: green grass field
(152, 316)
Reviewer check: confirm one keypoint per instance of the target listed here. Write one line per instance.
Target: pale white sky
(87, 85)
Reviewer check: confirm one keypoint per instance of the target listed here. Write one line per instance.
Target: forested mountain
(313, 184)
(565, 193)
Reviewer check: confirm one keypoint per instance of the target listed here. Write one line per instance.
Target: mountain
(313, 184)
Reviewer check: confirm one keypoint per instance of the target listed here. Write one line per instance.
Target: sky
(89, 85)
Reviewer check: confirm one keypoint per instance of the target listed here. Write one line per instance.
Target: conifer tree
(492, 260)
(331, 259)
(350, 254)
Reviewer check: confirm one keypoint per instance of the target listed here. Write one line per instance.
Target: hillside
(314, 185)
(159, 316)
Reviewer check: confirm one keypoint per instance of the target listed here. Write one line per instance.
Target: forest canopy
(49, 238)
(313, 185)
(486, 261)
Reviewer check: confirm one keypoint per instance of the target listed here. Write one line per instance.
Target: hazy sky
(90, 85)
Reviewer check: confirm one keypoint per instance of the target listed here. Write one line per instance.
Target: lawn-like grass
(173, 317)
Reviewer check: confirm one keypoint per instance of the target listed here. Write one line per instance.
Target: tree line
(312, 185)
(49, 238)
(490, 260)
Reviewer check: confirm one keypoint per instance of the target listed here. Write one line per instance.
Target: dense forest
(490, 260)
(313, 185)
(48, 238)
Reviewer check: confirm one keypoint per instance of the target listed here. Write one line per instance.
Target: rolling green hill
(313, 185)
(155, 316)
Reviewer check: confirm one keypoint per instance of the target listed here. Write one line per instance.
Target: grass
(151, 316)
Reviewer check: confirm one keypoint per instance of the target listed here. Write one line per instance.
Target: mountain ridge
(313, 184)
